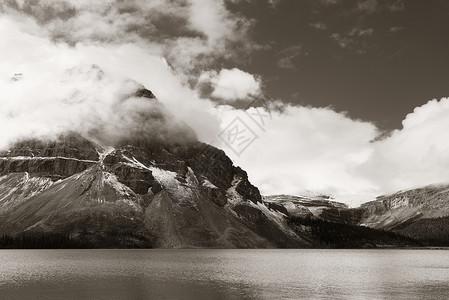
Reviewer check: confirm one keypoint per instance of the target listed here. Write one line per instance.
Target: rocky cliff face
(54, 159)
(420, 213)
(136, 193)
(392, 210)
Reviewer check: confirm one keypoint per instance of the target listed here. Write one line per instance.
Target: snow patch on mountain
(133, 162)
(120, 188)
(208, 184)
(233, 196)
(191, 178)
(103, 154)
(165, 178)
(36, 184)
(18, 187)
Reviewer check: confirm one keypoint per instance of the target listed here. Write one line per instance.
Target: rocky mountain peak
(144, 93)
(166, 194)
(146, 182)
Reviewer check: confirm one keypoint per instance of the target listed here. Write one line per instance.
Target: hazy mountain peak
(84, 72)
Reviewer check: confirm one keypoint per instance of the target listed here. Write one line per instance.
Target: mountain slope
(421, 213)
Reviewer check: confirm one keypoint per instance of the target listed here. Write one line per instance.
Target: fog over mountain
(74, 66)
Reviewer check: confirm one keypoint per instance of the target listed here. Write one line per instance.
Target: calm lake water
(224, 274)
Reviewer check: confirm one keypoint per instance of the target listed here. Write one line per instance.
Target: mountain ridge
(421, 214)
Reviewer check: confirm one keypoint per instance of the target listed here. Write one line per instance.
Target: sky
(377, 60)
(343, 98)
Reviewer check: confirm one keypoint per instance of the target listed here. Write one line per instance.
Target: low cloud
(231, 85)
(48, 88)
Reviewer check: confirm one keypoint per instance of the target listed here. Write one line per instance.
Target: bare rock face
(54, 168)
(277, 207)
(69, 145)
(215, 195)
(139, 180)
(68, 155)
(246, 189)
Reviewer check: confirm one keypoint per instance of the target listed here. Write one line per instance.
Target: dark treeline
(42, 241)
(431, 232)
(339, 235)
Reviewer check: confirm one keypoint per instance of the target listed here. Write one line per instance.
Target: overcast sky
(338, 97)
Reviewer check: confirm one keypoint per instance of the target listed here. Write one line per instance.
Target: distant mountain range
(140, 192)
(421, 215)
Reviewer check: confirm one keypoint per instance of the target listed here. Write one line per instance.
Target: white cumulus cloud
(304, 149)
(417, 154)
(232, 85)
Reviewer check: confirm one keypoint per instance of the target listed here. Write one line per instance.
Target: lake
(224, 274)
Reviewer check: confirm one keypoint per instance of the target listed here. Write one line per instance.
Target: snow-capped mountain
(138, 192)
